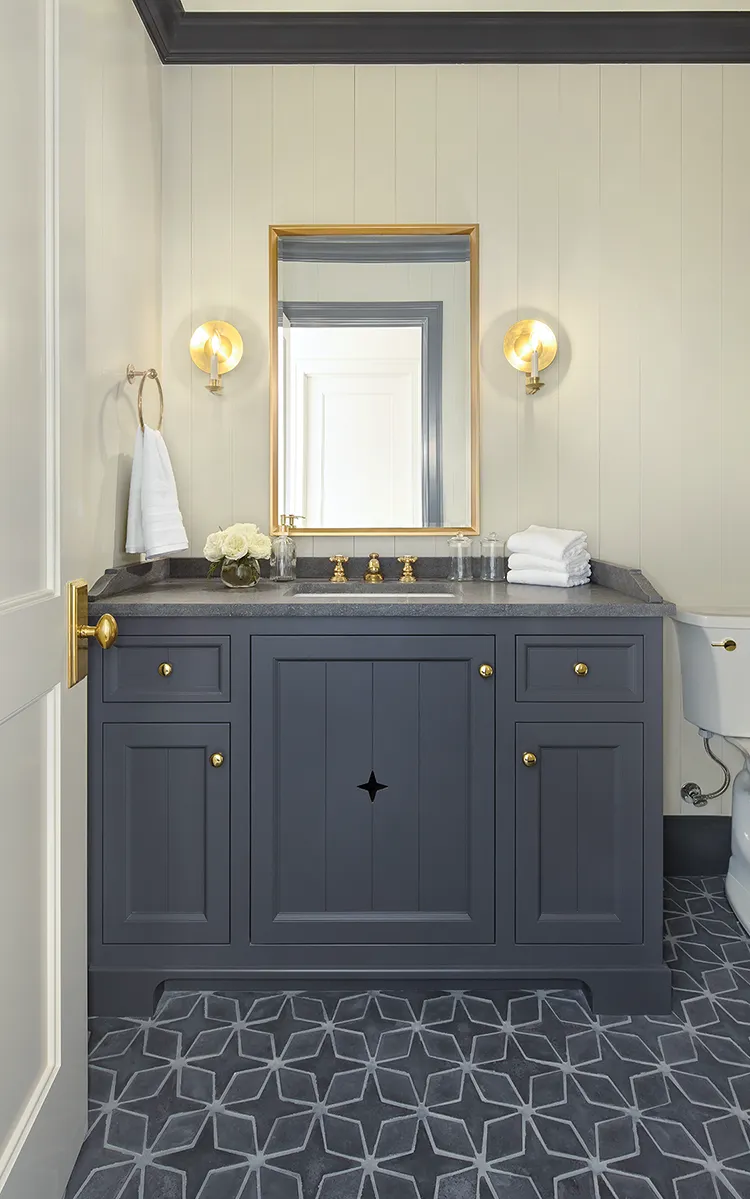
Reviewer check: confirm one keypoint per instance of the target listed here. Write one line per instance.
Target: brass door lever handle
(104, 631)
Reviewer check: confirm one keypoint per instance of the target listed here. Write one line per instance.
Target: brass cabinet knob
(166, 669)
(581, 669)
(104, 631)
(529, 759)
(728, 644)
(217, 760)
(486, 670)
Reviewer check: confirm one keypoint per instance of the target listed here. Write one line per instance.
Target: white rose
(247, 529)
(213, 550)
(235, 545)
(258, 545)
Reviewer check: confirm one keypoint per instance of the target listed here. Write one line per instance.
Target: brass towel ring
(152, 373)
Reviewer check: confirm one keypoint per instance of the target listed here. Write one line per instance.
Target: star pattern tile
(475, 1094)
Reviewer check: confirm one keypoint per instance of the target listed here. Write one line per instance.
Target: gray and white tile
(471, 1094)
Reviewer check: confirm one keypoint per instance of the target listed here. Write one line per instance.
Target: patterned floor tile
(408, 1094)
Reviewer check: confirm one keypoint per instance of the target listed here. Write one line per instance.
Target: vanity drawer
(168, 669)
(579, 669)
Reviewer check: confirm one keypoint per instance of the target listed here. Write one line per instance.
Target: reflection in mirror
(375, 387)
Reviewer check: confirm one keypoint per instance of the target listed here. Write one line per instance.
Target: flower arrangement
(236, 552)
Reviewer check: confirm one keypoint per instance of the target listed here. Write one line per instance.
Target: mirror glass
(374, 394)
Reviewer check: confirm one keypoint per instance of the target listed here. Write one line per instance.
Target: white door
(42, 723)
(354, 436)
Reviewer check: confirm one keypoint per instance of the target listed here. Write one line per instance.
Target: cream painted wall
(123, 254)
(612, 203)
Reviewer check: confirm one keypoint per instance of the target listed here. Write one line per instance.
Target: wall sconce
(216, 348)
(530, 346)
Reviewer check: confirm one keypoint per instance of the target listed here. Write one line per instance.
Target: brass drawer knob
(728, 644)
(581, 669)
(486, 670)
(217, 760)
(166, 669)
(529, 759)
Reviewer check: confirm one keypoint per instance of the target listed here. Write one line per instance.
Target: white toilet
(715, 660)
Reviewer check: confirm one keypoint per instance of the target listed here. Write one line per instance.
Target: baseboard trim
(696, 844)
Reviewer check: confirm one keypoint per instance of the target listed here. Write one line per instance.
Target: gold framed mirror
(374, 378)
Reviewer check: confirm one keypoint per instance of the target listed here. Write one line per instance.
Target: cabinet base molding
(612, 992)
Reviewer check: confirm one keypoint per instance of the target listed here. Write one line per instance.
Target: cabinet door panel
(579, 833)
(166, 834)
(416, 861)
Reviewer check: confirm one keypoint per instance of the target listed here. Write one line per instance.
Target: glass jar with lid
(459, 548)
(493, 559)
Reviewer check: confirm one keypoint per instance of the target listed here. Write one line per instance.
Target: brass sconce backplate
(519, 343)
(230, 353)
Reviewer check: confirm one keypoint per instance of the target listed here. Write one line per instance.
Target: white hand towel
(547, 578)
(575, 565)
(155, 524)
(560, 544)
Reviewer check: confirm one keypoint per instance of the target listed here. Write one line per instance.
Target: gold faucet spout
(373, 574)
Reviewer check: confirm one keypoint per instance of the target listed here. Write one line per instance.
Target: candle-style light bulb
(215, 347)
(535, 358)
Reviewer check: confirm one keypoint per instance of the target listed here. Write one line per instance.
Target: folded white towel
(548, 578)
(560, 544)
(155, 524)
(576, 565)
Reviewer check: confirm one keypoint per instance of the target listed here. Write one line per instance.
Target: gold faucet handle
(339, 574)
(407, 574)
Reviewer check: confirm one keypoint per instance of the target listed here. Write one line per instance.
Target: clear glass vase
(242, 572)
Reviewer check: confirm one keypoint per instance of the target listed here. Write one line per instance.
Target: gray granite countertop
(175, 597)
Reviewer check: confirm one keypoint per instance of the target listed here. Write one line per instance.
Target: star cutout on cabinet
(372, 786)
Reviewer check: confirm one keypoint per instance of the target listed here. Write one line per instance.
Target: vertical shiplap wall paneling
(538, 280)
(734, 577)
(620, 298)
(212, 255)
(735, 255)
(612, 202)
(497, 213)
(334, 145)
(578, 329)
(252, 206)
(177, 292)
(416, 152)
(293, 145)
(375, 145)
(701, 431)
(333, 194)
(661, 372)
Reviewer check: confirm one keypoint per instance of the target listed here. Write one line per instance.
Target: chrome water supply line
(691, 792)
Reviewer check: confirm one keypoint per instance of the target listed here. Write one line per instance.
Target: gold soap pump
(284, 551)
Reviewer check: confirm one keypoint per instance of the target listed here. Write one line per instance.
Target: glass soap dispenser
(459, 548)
(284, 552)
(493, 559)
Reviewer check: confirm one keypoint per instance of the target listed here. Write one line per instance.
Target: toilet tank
(716, 680)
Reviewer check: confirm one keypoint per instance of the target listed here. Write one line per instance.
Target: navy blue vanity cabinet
(165, 833)
(373, 790)
(370, 815)
(579, 833)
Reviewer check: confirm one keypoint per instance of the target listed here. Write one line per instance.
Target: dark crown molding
(445, 37)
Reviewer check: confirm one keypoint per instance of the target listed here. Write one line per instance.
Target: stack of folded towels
(549, 557)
